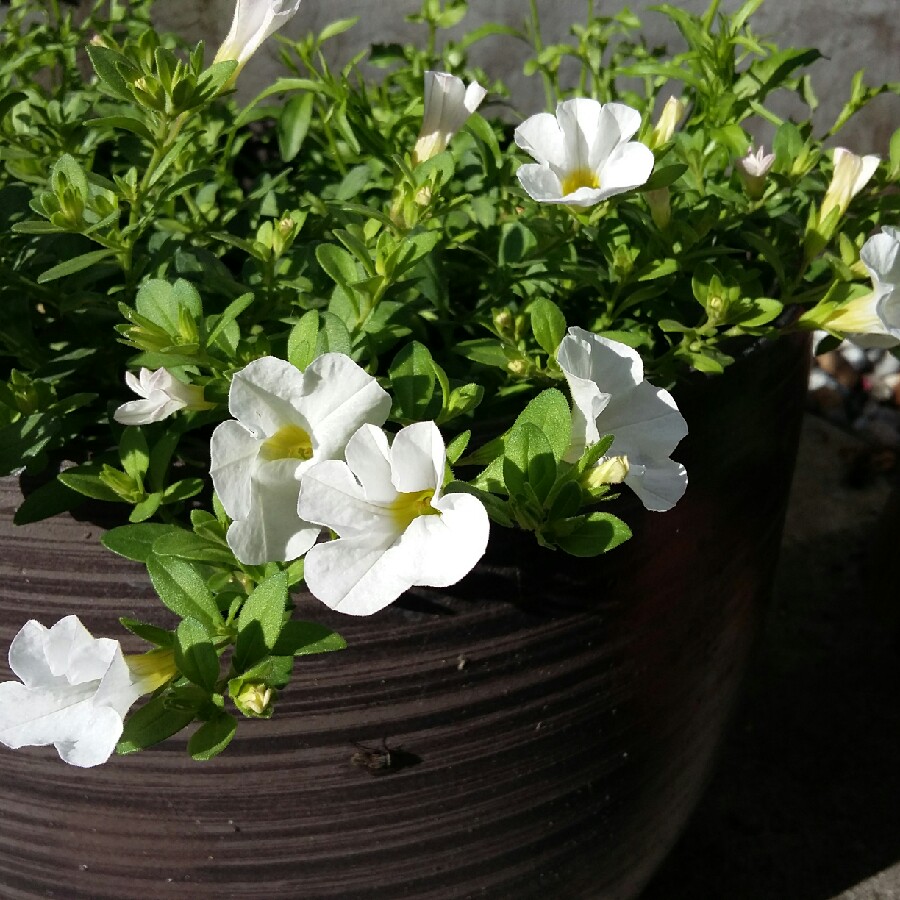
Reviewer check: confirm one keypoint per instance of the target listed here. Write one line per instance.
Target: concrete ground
(805, 803)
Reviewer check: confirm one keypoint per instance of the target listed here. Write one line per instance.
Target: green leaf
(231, 312)
(664, 176)
(195, 655)
(213, 736)
(154, 722)
(528, 459)
(339, 265)
(150, 633)
(123, 123)
(304, 638)
(548, 324)
(165, 304)
(107, 63)
(182, 589)
(302, 341)
(293, 124)
(76, 264)
(134, 453)
(412, 381)
(135, 541)
(590, 535)
(260, 621)
(85, 481)
(549, 412)
(333, 336)
(187, 545)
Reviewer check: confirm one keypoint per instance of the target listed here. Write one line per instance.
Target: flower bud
(255, 700)
(610, 470)
(752, 170)
(668, 120)
(851, 174)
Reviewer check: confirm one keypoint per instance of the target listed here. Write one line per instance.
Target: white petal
(579, 120)
(881, 256)
(355, 575)
(233, 452)
(629, 166)
(612, 365)
(369, 456)
(888, 311)
(659, 485)
(540, 183)
(417, 458)
(137, 384)
(332, 497)
(540, 136)
(155, 408)
(265, 395)
(339, 397)
(646, 423)
(628, 120)
(272, 531)
(440, 550)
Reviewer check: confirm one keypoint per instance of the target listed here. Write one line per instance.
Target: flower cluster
(366, 321)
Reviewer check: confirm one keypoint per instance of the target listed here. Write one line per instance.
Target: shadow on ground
(805, 803)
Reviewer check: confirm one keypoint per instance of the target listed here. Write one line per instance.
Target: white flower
(448, 103)
(851, 174)
(583, 153)
(74, 693)
(874, 319)
(752, 170)
(253, 22)
(163, 395)
(610, 396)
(396, 529)
(287, 421)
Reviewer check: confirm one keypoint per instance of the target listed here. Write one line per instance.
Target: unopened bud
(255, 700)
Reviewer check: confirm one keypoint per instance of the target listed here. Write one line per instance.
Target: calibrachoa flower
(74, 693)
(162, 393)
(851, 174)
(253, 22)
(583, 153)
(396, 528)
(610, 396)
(448, 103)
(874, 319)
(287, 421)
(752, 170)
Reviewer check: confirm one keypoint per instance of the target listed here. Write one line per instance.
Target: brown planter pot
(553, 719)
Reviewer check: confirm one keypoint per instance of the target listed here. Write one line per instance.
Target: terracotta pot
(552, 720)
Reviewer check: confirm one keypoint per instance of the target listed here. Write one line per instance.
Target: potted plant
(369, 366)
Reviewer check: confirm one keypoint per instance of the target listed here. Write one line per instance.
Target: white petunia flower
(74, 693)
(851, 174)
(287, 421)
(253, 22)
(163, 394)
(396, 529)
(610, 396)
(448, 103)
(874, 319)
(583, 153)
(752, 170)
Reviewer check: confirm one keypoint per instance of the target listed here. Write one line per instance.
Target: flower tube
(253, 22)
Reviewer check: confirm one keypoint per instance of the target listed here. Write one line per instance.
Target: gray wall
(853, 34)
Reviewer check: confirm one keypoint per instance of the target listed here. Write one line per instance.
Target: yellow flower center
(289, 442)
(410, 506)
(579, 178)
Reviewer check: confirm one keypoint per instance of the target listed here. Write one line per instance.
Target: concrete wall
(853, 34)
